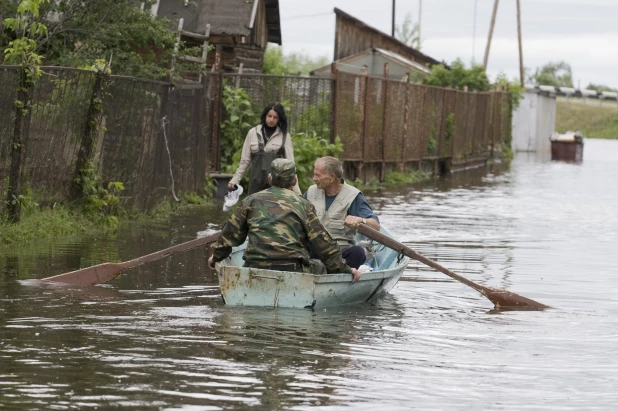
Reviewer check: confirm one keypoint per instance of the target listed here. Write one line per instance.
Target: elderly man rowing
(340, 208)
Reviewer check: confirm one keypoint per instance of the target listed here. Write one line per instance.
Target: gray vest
(332, 219)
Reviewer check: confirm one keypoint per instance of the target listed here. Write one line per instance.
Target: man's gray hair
(331, 165)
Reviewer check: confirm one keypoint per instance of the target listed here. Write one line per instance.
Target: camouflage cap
(283, 168)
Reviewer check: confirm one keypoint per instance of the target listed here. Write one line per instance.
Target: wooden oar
(102, 273)
(500, 298)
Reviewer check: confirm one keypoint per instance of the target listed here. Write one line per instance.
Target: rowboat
(242, 286)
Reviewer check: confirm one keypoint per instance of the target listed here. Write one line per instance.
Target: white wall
(533, 123)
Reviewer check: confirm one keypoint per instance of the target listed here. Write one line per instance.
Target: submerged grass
(44, 223)
(393, 179)
(60, 221)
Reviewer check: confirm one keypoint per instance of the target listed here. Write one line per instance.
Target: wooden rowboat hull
(241, 286)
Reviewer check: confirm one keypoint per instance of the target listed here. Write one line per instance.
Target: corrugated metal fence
(157, 135)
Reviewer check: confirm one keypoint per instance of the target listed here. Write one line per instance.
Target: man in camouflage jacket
(282, 227)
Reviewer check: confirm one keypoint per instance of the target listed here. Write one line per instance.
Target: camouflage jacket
(281, 226)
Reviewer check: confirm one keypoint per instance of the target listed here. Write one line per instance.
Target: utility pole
(393, 21)
(491, 32)
(474, 32)
(521, 54)
(420, 9)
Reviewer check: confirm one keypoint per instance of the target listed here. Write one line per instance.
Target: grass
(393, 179)
(592, 119)
(43, 222)
(46, 223)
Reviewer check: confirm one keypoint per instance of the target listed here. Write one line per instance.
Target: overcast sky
(582, 33)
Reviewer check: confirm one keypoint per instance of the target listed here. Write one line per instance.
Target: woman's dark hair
(283, 120)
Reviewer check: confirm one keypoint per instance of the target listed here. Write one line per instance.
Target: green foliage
(194, 199)
(37, 223)
(275, 62)
(408, 33)
(432, 140)
(556, 74)
(450, 128)
(515, 90)
(307, 148)
(432, 145)
(459, 77)
(98, 202)
(593, 120)
(395, 178)
(417, 77)
(90, 29)
(29, 31)
(240, 118)
(507, 152)
(316, 115)
(600, 87)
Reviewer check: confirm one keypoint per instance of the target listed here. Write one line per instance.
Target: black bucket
(220, 182)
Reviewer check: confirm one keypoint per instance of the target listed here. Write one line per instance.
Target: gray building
(534, 121)
(373, 61)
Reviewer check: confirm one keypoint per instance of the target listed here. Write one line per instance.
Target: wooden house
(241, 28)
(353, 36)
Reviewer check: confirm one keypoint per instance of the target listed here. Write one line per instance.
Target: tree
(557, 74)
(275, 62)
(82, 31)
(459, 77)
(408, 33)
(600, 87)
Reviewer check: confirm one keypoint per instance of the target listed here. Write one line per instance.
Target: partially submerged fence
(159, 139)
(392, 125)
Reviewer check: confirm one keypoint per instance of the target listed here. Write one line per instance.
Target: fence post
(20, 131)
(362, 115)
(216, 110)
(384, 115)
(406, 109)
(91, 131)
(333, 102)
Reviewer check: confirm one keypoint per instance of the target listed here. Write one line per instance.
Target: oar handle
(171, 250)
(103, 273)
(407, 251)
(500, 298)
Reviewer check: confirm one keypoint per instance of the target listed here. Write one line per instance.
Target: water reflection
(159, 336)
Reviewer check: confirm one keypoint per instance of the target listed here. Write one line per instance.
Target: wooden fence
(159, 137)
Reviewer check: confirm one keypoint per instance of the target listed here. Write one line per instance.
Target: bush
(458, 77)
(307, 148)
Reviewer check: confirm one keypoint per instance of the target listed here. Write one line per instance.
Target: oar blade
(103, 273)
(97, 274)
(507, 300)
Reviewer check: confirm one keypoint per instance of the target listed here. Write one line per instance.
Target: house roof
(363, 26)
(388, 55)
(230, 17)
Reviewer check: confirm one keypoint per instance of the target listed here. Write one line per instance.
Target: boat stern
(241, 286)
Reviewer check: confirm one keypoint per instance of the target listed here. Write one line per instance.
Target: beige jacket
(333, 219)
(251, 146)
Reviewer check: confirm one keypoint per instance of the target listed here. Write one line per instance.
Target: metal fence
(153, 137)
(158, 137)
(386, 124)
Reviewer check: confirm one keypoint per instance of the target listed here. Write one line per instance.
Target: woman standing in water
(264, 142)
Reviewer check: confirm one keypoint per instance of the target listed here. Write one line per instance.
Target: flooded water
(159, 336)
